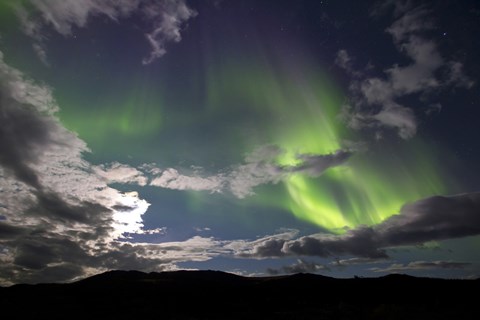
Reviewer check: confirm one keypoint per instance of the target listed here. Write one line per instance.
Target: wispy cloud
(172, 179)
(357, 261)
(260, 167)
(120, 173)
(375, 100)
(422, 265)
(166, 19)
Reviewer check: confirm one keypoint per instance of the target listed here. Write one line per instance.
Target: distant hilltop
(219, 295)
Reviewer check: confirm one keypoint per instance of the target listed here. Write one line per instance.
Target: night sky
(255, 137)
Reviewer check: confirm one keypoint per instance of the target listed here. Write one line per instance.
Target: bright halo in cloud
(128, 213)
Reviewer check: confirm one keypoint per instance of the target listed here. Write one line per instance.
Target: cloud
(41, 53)
(28, 130)
(431, 219)
(166, 19)
(343, 60)
(59, 218)
(375, 101)
(259, 168)
(383, 7)
(268, 246)
(457, 77)
(396, 116)
(58, 215)
(422, 265)
(120, 173)
(433, 108)
(357, 261)
(44, 256)
(172, 179)
(301, 266)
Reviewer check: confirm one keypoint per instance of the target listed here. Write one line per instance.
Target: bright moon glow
(129, 219)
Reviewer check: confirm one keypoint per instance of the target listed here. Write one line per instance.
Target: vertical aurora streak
(263, 98)
(303, 112)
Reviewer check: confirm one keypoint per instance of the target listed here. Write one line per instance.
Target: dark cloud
(432, 219)
(23, 134)
(54, 207)
(8, 231)
(125, 256)
(42, 234)
(41, 256)
(28, 130)
(316, 164)
(435, 218)
(363, 242)
(269, 248)
(38, 251)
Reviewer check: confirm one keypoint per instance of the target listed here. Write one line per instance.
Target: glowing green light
(137, 114)
(302, 111)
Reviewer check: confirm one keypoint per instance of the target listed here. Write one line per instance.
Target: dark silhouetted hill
(219, 295)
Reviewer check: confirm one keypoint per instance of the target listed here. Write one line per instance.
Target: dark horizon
(115, 273)
(220, 295)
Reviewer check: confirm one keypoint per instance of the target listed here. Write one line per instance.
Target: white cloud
(398, 117)
(25, 91)
(41, 53)
(457, 77)
(343, 60)
(412, 20)
(421, 76)
(168, 19)
(120, 173)
(129, 219)
(57, 209)
(259, 168)
(165, 17)
(172, 179)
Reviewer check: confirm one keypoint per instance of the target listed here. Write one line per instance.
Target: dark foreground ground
(218, 295)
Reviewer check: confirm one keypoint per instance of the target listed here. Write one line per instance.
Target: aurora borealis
(242, 136)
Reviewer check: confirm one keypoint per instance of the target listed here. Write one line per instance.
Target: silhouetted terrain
(219, 295)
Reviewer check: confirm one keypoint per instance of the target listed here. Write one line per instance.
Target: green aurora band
(303, 109)
(295, 108)
(137, 112)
